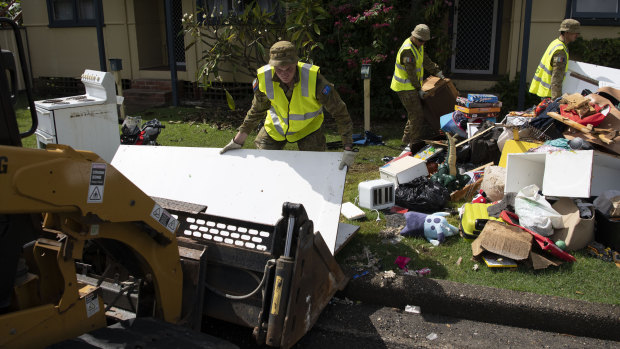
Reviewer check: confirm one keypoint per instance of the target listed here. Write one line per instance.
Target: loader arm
(82, 197)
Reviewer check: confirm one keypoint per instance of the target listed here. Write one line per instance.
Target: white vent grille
(376, 194)
(255, 239)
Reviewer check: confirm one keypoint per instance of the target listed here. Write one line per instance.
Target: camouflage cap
(282, 53)
(570, 26)
(421, 32)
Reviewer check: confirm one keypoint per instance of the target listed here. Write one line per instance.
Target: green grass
(588, 279)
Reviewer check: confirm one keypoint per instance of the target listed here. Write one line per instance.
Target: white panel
(604, 75)
(523, 169)
(568, 173)
(245, 184)
(576, 174)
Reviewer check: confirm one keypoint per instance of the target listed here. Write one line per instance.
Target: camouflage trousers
(417, 128)
(313, 142)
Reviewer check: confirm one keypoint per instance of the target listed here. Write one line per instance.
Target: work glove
(348, 158)
(440, 75)
(231, 146)
(422, 94)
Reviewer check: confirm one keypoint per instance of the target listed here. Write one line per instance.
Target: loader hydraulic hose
(269, 263)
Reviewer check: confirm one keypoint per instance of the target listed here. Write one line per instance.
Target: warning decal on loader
(164, 218)
(277, 296)
(92, 304)
(97, 181)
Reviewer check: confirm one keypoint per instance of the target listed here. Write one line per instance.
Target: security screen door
(474, 31)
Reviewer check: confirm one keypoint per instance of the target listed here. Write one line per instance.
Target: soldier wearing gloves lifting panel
(292, 94)
(549, 76)
(411, 61)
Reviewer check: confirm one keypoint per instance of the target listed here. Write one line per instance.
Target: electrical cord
(378, 217)
(260, 285)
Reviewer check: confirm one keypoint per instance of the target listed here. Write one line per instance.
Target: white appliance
(84, 122)
(376, 194)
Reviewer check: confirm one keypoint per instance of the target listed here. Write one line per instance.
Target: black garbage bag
(422, 195)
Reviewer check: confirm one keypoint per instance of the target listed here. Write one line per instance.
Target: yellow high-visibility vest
(400, 79)
(299, 118)
(541, 83)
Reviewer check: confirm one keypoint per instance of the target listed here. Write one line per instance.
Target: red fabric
(402, 262)
(542, 106)
(140, 139)
(594, 119)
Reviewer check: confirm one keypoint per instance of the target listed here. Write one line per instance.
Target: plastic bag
(535, 212)
(422, 195)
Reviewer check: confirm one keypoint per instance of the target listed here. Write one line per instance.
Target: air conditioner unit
(376, 194)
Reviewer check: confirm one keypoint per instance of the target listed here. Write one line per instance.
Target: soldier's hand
(348, 158)
(422, 94)
(231, 146)
(440, 75)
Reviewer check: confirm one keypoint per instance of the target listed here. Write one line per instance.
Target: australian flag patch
(326, 90)
(255, 85)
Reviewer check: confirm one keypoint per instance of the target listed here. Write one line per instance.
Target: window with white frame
(72, 13)
(594, 12)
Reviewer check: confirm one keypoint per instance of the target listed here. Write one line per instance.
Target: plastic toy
(434, 227)
(480, 198)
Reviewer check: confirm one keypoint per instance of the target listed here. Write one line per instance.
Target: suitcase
(475, 216)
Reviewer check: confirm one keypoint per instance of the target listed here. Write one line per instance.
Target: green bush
(603, 52)
(508, 92)
(371, 32)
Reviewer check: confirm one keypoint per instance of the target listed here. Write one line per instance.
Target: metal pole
(367, 104)
(171, 58)
(524, 53)
(100, 43)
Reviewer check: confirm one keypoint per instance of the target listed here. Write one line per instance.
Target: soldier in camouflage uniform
(549, 76)
(290, 96)
(411, 61)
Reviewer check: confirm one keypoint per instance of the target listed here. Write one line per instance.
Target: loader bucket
(276, 279)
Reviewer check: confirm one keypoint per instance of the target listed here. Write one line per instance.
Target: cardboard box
(575, 174)
(504, 240)
(403, 170)
(484, 98)
(462, 101)
(477, 110)
(440, 99)
(577, 231)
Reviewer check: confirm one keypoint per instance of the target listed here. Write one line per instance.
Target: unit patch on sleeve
(559, 59)
(255, 85)
(326, 90)
(407, 59)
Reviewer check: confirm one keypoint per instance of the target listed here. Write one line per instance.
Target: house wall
(134, 32)
(8, 42)
(67, 52)
(545, 22)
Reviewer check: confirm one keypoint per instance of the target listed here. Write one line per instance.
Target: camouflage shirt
(558, 66)
(408, 60)
(326, 95)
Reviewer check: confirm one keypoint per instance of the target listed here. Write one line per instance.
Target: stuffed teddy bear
(434, 227)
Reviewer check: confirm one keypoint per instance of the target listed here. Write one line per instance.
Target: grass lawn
(588, 279)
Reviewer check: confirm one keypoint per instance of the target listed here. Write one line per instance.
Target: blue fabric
(559, 143)
(369, 138)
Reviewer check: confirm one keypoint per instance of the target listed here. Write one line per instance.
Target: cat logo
(3, 164)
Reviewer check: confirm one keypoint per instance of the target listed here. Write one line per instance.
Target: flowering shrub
(371, 32)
